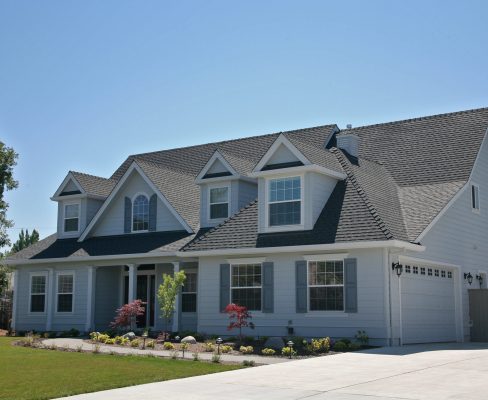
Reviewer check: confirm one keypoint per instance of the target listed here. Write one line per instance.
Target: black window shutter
(268, 287)
(351, 285)
(127, 215)
(224, 286)
(153, 211)
(301, 286)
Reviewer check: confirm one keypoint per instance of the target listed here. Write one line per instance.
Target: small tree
(239, 318)
(167, 293)
(127, 314)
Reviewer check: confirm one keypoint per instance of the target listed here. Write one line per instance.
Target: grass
(28, 374)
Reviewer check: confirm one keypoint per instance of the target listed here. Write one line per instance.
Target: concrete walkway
(75, 343)
(430, 372)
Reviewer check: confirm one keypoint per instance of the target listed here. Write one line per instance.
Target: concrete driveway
(450, 371)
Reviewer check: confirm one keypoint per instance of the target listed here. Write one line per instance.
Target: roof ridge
(161, 166)
(425, 117)
(214, 228)
(372, 209)
(91, 175)
(233, 140)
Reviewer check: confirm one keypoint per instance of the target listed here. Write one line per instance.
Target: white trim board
(216, 156)
(68, 177)
(118, 186)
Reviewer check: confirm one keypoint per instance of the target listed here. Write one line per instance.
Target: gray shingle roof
(94, 185)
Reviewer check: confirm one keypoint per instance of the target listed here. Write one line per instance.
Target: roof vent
(348, 142)
(349, 126)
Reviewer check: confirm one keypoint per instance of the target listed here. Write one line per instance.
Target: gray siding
(112, 222)
(459, 236)
(108, 295)
(371, 302)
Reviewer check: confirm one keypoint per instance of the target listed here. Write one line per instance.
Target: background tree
(167, 293)
(25, 240)
(8, 161)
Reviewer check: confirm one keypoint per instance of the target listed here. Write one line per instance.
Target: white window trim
(475, 185)
(56, 277)
(46, 293)
(327, 312)
(210, 187)
(247, 287)
(194, 271)
(285, 228)
(132, 212)
(70, 203)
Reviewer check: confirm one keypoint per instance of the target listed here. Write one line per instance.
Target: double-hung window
(326, 285)
(38, 293)
(189, 293)
(140, 214)
(475, 198)
(71, 217)
(284, 201)
(65, 293)
(246, 286)
(219, 202)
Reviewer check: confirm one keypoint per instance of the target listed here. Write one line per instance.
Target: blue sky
(84, 84)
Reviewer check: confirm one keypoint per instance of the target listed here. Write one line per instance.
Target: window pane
(284, 189)
(188, 302)
(65, 284)
(37, 302)
(284, 213)
(219, 195)
(65, 302)
(326, 298)
(246, 275)
(140, 214)
(250, 298)
(219, 211)
(190, 283)
(38, 284)
(71, 225)
(71, 211)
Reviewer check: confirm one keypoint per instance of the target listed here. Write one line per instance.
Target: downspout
(388, 312)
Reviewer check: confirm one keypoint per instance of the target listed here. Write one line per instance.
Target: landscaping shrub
(196, 356)
(168, 346)
(225, 349)
(109, 341)
(151, 344)
(135, 343)
(268, 352)
(286, 351)
(248, 363)
(354, 346)
(362, 337)
(216, 358)
(320, 345)
(209, 347)
(340, 346)
(246, 349)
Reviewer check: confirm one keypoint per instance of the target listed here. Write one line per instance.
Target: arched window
(140, 214)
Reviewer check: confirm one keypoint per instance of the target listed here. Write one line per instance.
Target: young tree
(25, 240)
(167, 293)
(8, 161)
(126, 315)
(239, 317)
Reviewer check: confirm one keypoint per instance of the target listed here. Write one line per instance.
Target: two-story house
(317, 231)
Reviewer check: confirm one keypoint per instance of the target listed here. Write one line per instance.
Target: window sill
(283, 228)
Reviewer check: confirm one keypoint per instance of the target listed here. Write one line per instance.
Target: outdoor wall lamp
(469, 277)
(480, 279)
(397, 267)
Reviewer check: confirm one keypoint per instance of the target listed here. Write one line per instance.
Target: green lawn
(27, 373)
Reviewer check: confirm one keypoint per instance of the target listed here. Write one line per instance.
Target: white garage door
(428, 306)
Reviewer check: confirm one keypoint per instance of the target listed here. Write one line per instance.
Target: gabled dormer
(224, 188)
(295, 181)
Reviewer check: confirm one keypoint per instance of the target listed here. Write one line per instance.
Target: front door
(146, 292)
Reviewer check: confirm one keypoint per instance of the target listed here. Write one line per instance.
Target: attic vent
(349, 143)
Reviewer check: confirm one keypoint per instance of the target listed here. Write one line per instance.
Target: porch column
(132, 282)
(176, 315)
(15, 278)
(90, 315)
(50, 299)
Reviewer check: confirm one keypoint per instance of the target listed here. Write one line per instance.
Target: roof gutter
(397, 244)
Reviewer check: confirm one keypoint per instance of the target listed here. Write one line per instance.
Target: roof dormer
(216, 167)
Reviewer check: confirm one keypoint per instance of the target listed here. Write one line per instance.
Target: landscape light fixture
(397, 267)
(469, 277)
(290, 345)
(219, 341)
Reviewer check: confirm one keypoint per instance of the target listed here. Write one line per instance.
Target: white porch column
(132, 282)
(15, 278)
(90, 320)
(50, 299)
(176, 315)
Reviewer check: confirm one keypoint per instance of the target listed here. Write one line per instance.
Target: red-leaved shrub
(127, 314)
(239, 318)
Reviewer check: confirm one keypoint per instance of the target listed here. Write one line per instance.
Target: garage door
(428, 306)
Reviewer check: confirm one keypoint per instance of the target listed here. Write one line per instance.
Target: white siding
(371, 302)
(282, 155)
(459, 236)
(112, 221)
